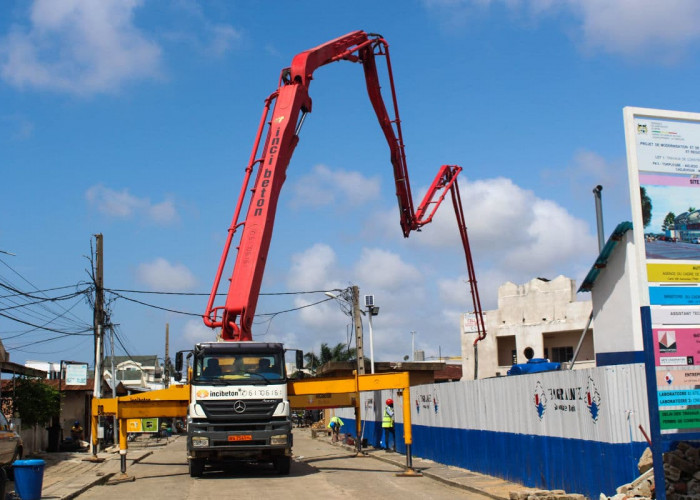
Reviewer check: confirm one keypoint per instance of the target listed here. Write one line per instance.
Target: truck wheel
(196, 467)
(282, 465)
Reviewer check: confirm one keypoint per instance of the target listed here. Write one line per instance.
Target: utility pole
(98, 316)
(166, 361)
(357, 320)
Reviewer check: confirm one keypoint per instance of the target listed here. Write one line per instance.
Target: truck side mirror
(178, 363)
(300, 359)
(177, 376)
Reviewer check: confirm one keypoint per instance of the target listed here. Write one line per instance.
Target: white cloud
(509, 228)
(124, 205)
(454, 291)
(209, 38)
(195, 331)
(314, 269)
(222, 39)
(79, 47)
(638, 27)
(164, 276)
(628, 28)
(328, 186)
(381, 269)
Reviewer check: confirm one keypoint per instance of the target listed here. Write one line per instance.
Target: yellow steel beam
(171, 402)
(325, 400)
(332, 385)
(339, 385)
(173, 393)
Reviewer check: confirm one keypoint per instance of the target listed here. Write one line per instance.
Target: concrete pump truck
(239, 408)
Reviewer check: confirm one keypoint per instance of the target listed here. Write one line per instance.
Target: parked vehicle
(11, 447)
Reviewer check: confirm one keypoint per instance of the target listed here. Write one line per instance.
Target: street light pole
(357, 320)
(371, 340)
(372, 310)
(413, 346)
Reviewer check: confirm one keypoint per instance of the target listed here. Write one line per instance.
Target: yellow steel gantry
(335, 392)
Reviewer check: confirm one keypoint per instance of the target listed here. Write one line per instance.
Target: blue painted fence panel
(577, 431)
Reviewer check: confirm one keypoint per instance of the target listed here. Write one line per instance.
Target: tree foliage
(646, 206)
(35, 401)
(669, 221)
(341, 352)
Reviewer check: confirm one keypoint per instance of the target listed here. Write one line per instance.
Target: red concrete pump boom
(291, 104)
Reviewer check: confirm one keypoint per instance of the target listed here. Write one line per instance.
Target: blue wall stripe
(619, 358)
(574, 465)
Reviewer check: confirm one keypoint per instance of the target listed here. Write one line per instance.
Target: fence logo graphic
(540, 400)
(593, 399)
(426, 402)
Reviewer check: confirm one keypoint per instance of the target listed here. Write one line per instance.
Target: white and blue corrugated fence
(572, 430)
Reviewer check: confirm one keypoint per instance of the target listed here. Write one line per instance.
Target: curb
(83, 489)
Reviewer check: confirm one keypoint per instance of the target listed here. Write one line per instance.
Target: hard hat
(77, 422)
(390, 402)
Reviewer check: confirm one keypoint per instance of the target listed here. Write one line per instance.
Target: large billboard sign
(663, 160)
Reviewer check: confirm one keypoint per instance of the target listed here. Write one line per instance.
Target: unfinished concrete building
(541, 314)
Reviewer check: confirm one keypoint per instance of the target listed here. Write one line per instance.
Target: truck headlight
(199, 442)
(279, 439)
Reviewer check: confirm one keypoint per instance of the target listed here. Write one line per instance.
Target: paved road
(319, 469)
(670, 250)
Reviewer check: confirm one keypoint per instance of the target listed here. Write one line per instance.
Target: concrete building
(137, 373)
(541, 314)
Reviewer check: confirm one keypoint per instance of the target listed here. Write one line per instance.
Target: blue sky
(135, 119)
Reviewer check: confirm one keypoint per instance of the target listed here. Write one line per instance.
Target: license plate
(241, 437)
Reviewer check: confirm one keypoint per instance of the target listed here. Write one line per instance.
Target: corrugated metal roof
(602, 261)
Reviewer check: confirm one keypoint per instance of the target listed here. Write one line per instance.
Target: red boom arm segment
(292, 102)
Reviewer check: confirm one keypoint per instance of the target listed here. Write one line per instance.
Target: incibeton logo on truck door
(203, 394)
(266, 392)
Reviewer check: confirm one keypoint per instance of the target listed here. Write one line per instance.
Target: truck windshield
(239, 367)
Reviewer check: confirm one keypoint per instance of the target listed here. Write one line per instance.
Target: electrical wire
(76, 319)
(118, 290)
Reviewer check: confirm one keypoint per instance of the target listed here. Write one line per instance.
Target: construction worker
(76, 432)
(388, 426)
(334, 425)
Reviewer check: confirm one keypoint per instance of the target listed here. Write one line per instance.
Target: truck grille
(240, 409)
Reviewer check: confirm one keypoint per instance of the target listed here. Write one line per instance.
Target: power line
(152, 292)
(43, 327)
(30, 284)
(153, 305)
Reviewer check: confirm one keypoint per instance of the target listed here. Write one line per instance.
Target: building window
(506, 348)
(562, 354)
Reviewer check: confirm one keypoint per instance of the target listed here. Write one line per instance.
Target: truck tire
(282, 465)
(196, 467)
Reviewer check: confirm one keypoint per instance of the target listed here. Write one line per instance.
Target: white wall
(616, 302)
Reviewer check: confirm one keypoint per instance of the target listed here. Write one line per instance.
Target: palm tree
(312, 361)
(669, 220)
(341, 352)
